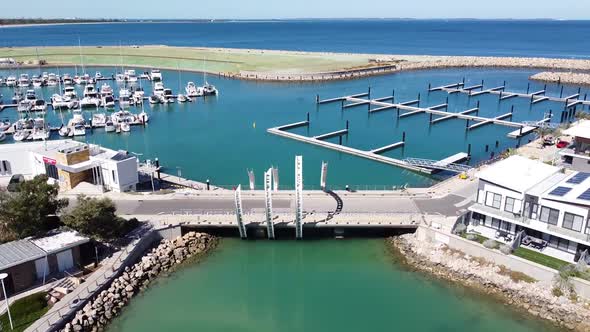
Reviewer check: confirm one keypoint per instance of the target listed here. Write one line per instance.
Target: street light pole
(2, 277)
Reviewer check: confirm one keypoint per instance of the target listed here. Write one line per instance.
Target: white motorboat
(70, 92)
(79, 130)
(37, 81)
(77, 118)
(67, 79)
(120, 78)
(138, 95)
(99, 120)
(192, 91)
(4, 125)
(182, 98)
(84, 79)
(24, 106)
(90, 97)
(11, 81)
(130, 76)
(124, 98)
(109, 125)
(52, 79)
(98, 75)
(20, 135)
(40, 130)
(123, 116)
(209, 90)
(45, 77)
(168, 97)
(125, 127)
(30, 96)
(108, 102)
(153, 99)
(159, 89)
(58, 102)
(64, 131)
(156, 75)
(106, 90)
(39, 106)
(23, 81)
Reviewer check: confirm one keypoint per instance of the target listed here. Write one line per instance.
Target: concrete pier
(332, 134)
(333, 100)
(451, 116)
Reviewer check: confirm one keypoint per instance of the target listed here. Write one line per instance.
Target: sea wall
(562, 77)
(418, 62)
(109, 303)
(535, 297)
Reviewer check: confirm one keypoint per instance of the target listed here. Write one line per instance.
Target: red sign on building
(49, 161)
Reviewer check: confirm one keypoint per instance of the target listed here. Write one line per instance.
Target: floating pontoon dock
(413, 164)
(534, 97)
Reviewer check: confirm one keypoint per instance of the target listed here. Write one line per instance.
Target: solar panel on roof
(560, 191)
(585, 195)
(578, 178)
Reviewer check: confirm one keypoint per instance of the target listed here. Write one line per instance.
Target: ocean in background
(529, 38)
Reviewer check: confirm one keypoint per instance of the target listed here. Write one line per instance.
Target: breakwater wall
(108, 303)
(452, 258)
(408, 63)
(562, 77)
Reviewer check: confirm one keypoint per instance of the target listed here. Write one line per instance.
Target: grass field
(199, 59)
(540, 258)
(24, 312)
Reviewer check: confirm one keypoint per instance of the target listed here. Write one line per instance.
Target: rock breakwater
(109, 303)
(535, 298)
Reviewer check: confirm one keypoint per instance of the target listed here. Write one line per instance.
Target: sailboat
(181, 98)
(207, 89)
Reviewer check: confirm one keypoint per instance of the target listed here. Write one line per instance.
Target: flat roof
(59, 241)
(569, 190)
(582, 129)
(517, 173)
(18, 252)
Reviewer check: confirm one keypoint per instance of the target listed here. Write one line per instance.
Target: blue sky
(244, 9)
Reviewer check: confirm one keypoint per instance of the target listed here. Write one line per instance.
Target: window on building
(549, 215)
(509, 204)
(51, 171)
(494, 200)
(573, 222)
(114, 176)
(500, 224)
(5, 167)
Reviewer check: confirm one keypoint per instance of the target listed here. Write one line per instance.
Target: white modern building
(578, 154)
(70, 163)
(550, 205)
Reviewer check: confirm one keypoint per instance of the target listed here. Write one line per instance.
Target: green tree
(97, 218)
(31, 210)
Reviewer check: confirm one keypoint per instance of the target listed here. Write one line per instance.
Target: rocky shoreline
(562, 77)
(109, 303)
(530, 296)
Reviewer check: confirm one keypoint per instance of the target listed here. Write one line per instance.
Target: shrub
(491, 244)
(471, 237)
(460, 229)
(557, 292)
(96, 218)
(506, 249)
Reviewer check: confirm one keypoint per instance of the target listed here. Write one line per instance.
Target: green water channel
(328, 285)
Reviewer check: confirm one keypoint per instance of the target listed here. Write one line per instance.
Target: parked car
(562, 144)
(548, 140)
(15, 180)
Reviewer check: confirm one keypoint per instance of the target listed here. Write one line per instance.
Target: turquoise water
(329, 285)
(220, 138)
